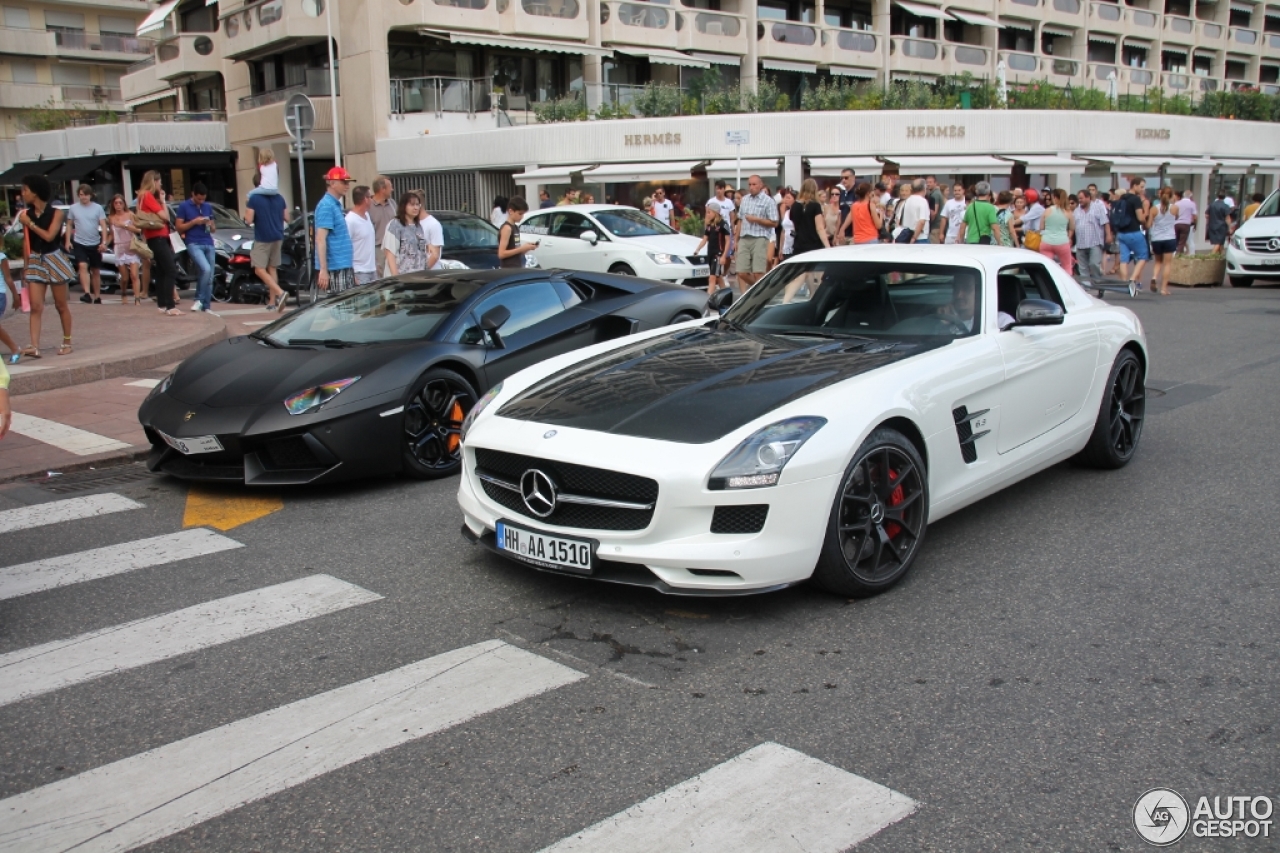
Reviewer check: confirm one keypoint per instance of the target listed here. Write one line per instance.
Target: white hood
(1260, 226)
(673, 244)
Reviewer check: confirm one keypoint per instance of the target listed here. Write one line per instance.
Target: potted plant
(1199, 270)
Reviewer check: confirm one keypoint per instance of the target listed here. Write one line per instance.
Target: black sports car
(379, 379)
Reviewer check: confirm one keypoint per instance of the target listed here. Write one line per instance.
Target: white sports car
(617, 239)
(813, 431)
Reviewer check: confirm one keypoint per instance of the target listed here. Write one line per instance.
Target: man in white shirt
(723, 203)
(915, 212)
(363, 236)
(663, 209)
(953, 215)
(434, 232)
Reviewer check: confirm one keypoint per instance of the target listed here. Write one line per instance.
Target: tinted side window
(528, 303)
(1029, 281)
(535, 225)
(569, 225)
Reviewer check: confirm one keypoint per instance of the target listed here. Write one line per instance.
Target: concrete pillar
(593, 66)
(751, 62)
(792, 171)
(1200, 186)
(365, 77)
(880, 22)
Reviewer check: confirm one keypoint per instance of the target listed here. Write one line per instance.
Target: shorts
(52, 269)
(753, 254)
(90, 255)
(1133, 243)
(340, 280)
(127, 259)
(4, 300)
(366, 278)
(265, 255)
(1163, 247)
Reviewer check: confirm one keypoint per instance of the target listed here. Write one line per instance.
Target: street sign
(737, 137)
(299, 116)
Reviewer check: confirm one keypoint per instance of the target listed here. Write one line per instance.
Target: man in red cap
(333, 242)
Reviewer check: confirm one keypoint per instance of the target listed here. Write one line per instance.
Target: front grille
(290, 452)
(748, 518)
(697, 260)
(572, 479)
(1260, 245)
(1259, 268)
(696, 283)
(203, 469)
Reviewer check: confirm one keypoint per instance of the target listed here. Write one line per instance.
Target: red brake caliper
(892, 528)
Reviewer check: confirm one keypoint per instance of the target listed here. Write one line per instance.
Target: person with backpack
(981, 224)
(1127, 214)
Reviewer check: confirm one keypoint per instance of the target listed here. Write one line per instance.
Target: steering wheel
(953, 325)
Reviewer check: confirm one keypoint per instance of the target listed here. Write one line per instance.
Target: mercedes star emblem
(1274, 245)
(877, 512)
(539, 493)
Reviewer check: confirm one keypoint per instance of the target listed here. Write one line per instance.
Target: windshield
(469, 232)
(626, 222)
(399, 309)
(862, 299)
(224, 217)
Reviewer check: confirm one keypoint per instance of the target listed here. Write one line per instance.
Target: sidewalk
(81, 410)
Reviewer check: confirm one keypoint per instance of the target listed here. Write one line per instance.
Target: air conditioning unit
(99, 93)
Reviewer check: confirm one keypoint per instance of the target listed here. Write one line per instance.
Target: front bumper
(1252, 264)
(676, 552)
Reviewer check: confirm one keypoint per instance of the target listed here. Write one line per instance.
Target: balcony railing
(1026, 2)
(1210, 31)
(854, 41)
(1108, 12)
(1023, 62)
(1141, 77)
(968, 55)
(716, 24)
(146, 118)
(786, 32)
(91, 94)
(916, 48)
(1249, 37)
(104, 42)
(317, 89)
(1176, 82)
(141, 64)
(1102, 71)
(545, 9)
(1068, 7)
(440, 95)
(1143, 18)
(1066, 67)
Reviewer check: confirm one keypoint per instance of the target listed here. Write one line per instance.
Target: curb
(48, 380)
(105, 460)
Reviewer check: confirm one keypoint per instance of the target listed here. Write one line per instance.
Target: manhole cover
(100, 478)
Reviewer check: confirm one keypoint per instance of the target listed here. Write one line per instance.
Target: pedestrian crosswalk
(768, 798)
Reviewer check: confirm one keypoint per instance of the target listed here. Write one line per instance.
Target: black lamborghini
(379, 379)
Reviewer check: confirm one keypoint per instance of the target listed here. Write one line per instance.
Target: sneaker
(86, 299)
(1133, 288)
(198, 307)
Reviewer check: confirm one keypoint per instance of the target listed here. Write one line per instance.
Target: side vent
(964, 431)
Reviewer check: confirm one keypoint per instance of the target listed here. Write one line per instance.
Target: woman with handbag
(45, 265)
(128, 248)
(153, 212)
(865, 217)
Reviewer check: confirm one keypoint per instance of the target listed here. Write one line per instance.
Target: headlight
(314, 398)
(1237, 241)
(446, 264)
(664, 258)
(246, 246)
(163, 386)
(477, 409)
(530, 261)
(759, 460)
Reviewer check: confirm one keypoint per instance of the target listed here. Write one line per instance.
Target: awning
(192, 160)
(1101, 39)
(1040, 163)
(972, 18)
(1060, 32)
(78, 167)
(665, 57)
(728, 169)
(842, 71)
(1191, 164)
(18, 171)
(1244, 164)
(920, 10)
(975, 164)
(830, 166)
(152, 98)
(523, 44)
(624, 173)
(718, 58)
(550, 174)
(1145, 165)
(1024, 26)
(155, 21)
(1273, 12)
(1137, 41)
(1237, 6)
(781, 65)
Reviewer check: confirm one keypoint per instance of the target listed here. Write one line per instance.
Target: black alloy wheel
(1120, 417)
(878, 520)
(438, 403)
(684, 317)
(621, 269)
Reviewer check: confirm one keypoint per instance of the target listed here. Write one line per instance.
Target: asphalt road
(1058, 650)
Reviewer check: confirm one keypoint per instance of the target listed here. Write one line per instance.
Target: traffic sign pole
(738, 138)
(299, 119)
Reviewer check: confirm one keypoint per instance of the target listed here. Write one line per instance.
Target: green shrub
(571, 108)
(657, 100)
(691, 223)
(13, 245)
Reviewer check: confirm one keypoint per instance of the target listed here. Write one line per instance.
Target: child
(510, 248)
(713, 237)
(268, 174)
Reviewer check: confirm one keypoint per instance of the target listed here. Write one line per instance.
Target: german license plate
(198, 444)
(548, 552)
(1270, 262)
(701, 272)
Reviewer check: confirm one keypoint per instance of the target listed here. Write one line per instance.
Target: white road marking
(71, 439)
(52, 666)
(71, 509)
(165, 790)
(145, 383)
(262, 323)
(767, 799)
(26, 578)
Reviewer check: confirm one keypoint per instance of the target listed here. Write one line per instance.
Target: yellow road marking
(225, 509)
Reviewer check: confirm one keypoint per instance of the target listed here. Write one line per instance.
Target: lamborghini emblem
(188, 416)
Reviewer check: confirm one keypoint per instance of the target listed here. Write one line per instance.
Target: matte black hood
(697, 385)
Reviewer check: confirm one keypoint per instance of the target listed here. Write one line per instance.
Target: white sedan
(617, 239)
(849, 398)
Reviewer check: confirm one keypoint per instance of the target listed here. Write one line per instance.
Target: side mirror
(1039, 312)
(493, 320)
(589, 236)
(720, 300)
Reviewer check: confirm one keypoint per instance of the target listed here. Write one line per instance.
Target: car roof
(951, 255)
(584, 208)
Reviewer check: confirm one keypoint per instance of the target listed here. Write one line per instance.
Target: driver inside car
(964, 298)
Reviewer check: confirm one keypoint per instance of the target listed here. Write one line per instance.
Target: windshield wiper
(333, 343)
(266, 339)
(825, 333)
